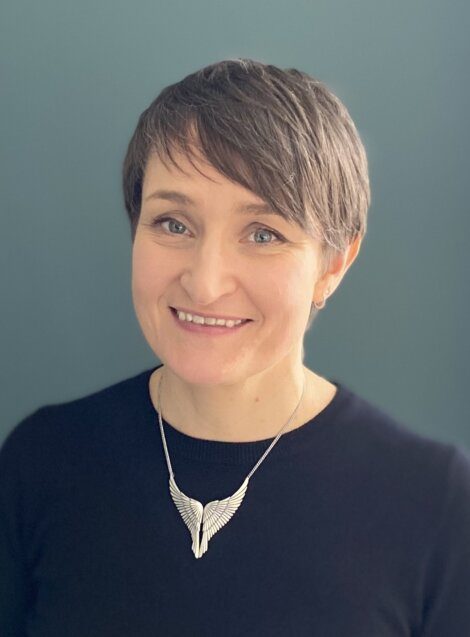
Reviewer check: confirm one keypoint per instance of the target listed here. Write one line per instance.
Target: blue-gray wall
(75, 77)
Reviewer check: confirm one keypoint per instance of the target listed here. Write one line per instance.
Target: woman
(231, 490)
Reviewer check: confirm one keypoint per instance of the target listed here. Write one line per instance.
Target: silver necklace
(214, 515)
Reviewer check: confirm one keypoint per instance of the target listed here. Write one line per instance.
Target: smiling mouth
(209, 326)
(210, 316)
(207, 321)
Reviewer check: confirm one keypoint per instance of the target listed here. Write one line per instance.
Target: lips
(210, 331)
(225, 318)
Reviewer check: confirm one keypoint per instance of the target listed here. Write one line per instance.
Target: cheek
(148, 275)
(141, 271)
(288, 290)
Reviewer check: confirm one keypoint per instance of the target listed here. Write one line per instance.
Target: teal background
(76, 75)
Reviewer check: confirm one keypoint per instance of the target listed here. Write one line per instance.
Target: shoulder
(369, 426)
(419, 484)
(389, 454)
(417, 489)
(59, 427)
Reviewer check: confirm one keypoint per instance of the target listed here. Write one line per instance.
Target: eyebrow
(185, 200)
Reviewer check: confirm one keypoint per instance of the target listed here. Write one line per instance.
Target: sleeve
(13, 577)
(446, 611)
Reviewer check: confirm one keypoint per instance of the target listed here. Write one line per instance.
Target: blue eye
(180, 227)
(162, 220)
(267, 231)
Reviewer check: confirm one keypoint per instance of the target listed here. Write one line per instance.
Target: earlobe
(321, 304)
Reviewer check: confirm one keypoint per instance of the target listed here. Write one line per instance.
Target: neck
(253, 410)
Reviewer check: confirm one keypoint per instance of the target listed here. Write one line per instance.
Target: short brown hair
(282, 134)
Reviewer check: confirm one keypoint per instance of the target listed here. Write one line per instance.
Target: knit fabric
(353, 526)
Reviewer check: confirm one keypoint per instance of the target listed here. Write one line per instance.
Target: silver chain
(170, 468)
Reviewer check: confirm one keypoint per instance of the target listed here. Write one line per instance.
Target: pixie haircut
(280, 133)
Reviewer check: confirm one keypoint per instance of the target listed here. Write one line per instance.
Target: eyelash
(158, 222)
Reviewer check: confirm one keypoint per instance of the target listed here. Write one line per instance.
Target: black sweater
(353, 526)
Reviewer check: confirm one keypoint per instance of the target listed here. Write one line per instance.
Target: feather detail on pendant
(213, 516)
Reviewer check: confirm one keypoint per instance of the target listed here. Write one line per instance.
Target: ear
(335, 270)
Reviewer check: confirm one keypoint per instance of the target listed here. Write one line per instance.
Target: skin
(244, 386)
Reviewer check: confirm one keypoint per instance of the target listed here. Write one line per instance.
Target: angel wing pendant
(214, 515)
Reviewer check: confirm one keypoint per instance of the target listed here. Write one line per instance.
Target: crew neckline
(218, 451)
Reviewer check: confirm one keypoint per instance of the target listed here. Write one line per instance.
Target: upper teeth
(185, 316)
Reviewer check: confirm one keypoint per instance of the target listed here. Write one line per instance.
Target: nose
(209, 273)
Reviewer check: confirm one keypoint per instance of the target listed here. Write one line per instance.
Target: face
(214, 251)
